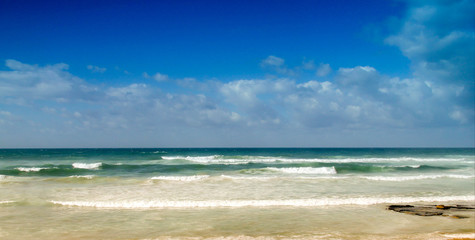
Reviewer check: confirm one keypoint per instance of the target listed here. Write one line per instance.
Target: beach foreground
(234, 193)
(342, 222)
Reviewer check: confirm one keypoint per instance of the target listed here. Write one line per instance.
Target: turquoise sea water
(274, 193)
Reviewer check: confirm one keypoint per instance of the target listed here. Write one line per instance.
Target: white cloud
(458, 116)
(50, 110)
(129, 95)
(244, 91)
(196, 85)
(319, 87)
(326, 105)
(257, 99)
(272, 61)
(323, 69)
(96, 69)
(18, 66)
(248, 91)
(277, 65)
(308, 65)
(160, 77)
(188, 82)
(5, 113)
(438, 37)
(362, 80)
(6, 118)
(24, 83)
(121, 70)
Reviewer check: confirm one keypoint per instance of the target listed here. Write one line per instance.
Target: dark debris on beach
(453, 211)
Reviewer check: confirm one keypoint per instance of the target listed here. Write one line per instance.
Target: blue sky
(237, 73)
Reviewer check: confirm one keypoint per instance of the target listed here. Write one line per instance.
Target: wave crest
(92, 166)
(30, 169)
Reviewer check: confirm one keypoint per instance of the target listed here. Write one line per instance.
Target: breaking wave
(91, 166)
(258, 203)
(30, 169)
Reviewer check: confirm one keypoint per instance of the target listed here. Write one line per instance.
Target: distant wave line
(220, 159)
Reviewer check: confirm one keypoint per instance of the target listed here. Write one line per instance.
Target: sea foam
(219, 159)
(259, 203)
(29, 169)
(89, 177)
(460, 235)
(411, 178)
(92, 166)
(305, 170)
(286, 178)
(181, 178)
(195, 159)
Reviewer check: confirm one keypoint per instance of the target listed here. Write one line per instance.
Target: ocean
(232, 193)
